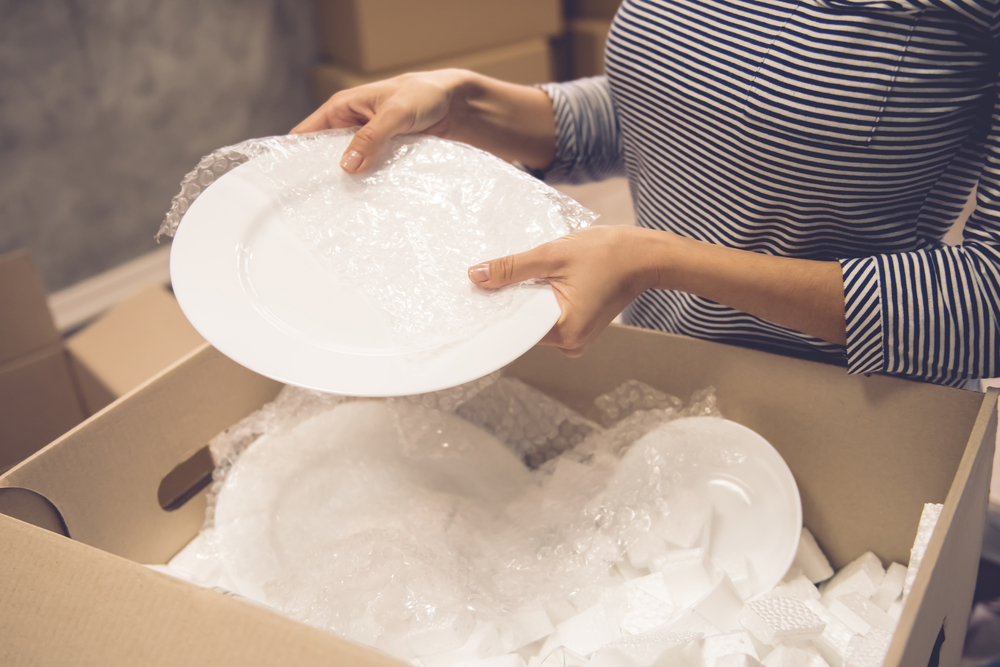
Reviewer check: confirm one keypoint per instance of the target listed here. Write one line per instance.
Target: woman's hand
(594, 272)
(511, 121)
(404, 104)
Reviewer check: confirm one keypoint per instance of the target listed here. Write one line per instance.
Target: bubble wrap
(534, 425)
(402, 525)
(631, 396)
(405, 232)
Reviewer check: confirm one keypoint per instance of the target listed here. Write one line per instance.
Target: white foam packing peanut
(737, 660)
(868, 650)
(810, 558)
(836, 637)
(588, 631)
(483, 642)
(794, 656)
(509, 660)
(736, 569)
(688, 579)
(928, 520)
(860, 614)
(862, 575)
(798, 587)
(528, 626)
(721, 606)
(649, 604)
(449, 630)
(708, 651)
(657, 647)
(779, 619)
(891, 587)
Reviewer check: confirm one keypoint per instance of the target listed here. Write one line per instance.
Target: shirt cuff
(561, 169)
(863, 312)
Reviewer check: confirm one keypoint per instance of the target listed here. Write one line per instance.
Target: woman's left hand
(595, 273)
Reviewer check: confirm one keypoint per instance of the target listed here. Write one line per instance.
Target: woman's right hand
(419, 102)
(511, 121)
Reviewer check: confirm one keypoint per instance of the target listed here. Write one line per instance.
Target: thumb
(370, 141)
(511, 269)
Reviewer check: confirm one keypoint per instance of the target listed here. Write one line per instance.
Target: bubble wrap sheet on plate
(407, 231)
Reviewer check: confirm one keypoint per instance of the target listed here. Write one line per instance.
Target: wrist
(653, 257)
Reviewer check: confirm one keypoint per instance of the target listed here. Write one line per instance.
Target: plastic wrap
(414, 525)
(407, 231)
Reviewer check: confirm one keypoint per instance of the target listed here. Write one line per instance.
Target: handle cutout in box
(31, 507)
(186, 480)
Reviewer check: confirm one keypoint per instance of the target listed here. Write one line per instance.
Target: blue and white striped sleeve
(588, 134)
(934, 312)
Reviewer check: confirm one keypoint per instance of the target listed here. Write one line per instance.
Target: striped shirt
(845, 130)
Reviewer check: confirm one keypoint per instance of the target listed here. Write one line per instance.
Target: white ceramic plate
(756, 507)
(261, 297)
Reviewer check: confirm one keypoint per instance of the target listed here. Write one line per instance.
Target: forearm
(511, 121)
(804, 295)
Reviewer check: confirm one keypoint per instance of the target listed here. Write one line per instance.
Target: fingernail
(351, 161)
(480, 273)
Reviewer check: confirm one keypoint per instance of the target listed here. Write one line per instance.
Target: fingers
(370, 141)
(497, 273)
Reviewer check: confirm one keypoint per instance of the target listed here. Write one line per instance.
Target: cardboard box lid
(378, 35)
(135, 340)
(38, 403)
(26, 325)
(867, 454)
(525, 63)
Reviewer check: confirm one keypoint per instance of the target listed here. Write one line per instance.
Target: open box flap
(65, 603)
(103, 476)
(937, 613)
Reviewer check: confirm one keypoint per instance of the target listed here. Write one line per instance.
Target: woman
(794, 167)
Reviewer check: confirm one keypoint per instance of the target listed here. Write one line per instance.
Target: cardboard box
(379, 35)
(38, 403)
(26, 324)
(597, 9)
(39, 398)
(867, 454)
(525, 62)
(587, 39)
(129, 344)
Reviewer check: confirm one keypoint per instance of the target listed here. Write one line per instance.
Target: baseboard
(87, 299)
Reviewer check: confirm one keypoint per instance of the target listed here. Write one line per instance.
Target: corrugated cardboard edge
(65, 603)
(84, 478)
(133, 341)
(939, 600)
(39, 400)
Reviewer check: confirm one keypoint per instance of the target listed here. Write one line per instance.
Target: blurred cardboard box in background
(526, 63)
(598, 9)
(368, 36)
(587, 38)
(371, 40)
(48, 385)
(39, 400)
